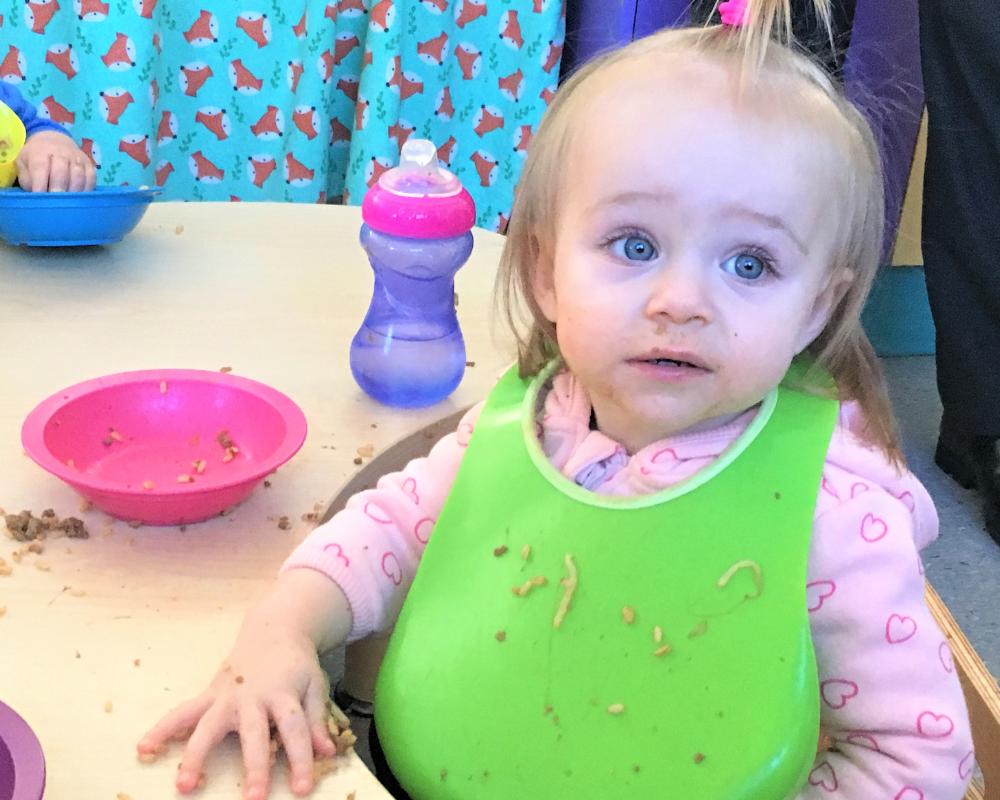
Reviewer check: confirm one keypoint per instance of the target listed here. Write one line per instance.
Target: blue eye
(746, 266)
(634, 248)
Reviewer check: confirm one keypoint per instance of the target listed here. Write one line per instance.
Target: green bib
(480, 695)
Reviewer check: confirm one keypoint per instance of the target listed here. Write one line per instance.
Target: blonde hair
(761, 49)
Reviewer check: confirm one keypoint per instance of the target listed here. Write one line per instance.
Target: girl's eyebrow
(767, 220)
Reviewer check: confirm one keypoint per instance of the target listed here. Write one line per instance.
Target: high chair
(982, 694)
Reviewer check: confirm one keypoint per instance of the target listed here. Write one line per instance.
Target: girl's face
(691, 261)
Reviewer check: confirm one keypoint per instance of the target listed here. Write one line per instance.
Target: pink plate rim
(34, 424)
(26, 752)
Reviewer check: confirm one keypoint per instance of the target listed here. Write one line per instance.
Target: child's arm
(271, 674)
(891, 703)
(337, 586)
(372, 548)
(50, 159)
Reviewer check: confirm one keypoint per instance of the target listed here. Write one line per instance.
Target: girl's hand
(51, 161)
(271, 676)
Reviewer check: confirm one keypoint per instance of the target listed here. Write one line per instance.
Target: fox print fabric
(289, 101)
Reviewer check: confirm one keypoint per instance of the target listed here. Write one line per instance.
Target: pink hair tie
(734, 12)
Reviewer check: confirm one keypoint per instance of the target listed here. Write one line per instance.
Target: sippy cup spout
(418, 173)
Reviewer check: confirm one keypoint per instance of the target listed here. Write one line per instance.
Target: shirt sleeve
(372, 548)
(26, 112)
(891, 703)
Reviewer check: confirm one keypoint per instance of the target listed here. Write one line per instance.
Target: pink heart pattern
(337, 551)
(873, 528)
(837, 691)
(374, 512)
(909, 793)
(827, 487)
(422, 530)
(824, 777)
(463, 434)
(966, 765)
(865, 740)
(663, 455)
(410, 490)
(817, 592)
(858, 488)
(390, 566)
(934, 726)
(907, 500)
(900, 629)
(944, 654)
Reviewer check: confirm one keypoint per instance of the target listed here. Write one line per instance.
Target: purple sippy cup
(409, 351)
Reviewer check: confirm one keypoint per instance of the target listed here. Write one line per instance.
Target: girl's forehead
(686, 113)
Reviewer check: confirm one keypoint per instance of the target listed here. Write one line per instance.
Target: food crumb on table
(366, 451)
(499, 551)
(108, 705)
(616, 708)
(42, 565)
(226, 369)
(501, 636)
(628, 615)
(358, 460)
(698, 758)
(179, 230)
(135, 523)
(3, 610)
(284, 524)
(147, 485)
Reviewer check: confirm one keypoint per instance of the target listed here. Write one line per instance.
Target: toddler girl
(695, 231)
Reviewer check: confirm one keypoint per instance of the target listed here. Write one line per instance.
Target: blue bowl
(62, 219)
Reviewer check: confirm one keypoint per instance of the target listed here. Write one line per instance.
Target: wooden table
(274, 291)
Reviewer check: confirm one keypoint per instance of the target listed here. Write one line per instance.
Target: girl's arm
(891, 703)
(347, 579)
(372, 548)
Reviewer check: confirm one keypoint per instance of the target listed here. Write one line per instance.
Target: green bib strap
(655, 681)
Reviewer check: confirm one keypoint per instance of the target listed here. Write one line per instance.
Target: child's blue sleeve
(11, 97)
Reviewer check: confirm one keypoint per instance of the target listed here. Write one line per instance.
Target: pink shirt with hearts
(890, 700)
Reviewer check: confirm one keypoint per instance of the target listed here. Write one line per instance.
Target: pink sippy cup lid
(418, 199)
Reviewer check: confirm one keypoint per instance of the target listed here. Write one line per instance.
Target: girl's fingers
(315, 706)
(255, 741)
(183, 718)
(58, 174)
(212, 729)
(297, 741)
(90, 176)
(77, 176)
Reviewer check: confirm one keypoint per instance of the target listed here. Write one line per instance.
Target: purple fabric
(881, 70)
(882, 78)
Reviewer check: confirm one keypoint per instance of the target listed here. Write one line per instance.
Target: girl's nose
(680, 294)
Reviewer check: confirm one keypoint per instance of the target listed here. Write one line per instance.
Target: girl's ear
(543, 287)
(826, 301)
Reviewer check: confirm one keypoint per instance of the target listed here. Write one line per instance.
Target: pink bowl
(158, 436)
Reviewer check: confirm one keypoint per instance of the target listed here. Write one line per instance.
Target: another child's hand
(51, 161)
(277, 680)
